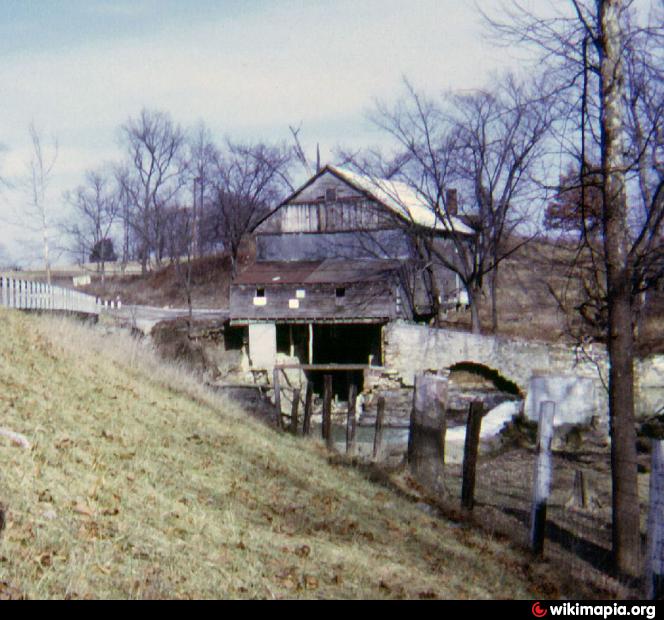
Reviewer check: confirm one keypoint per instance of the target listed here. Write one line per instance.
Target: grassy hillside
(139, 483)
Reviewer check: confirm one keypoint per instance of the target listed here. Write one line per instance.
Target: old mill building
(334, 265)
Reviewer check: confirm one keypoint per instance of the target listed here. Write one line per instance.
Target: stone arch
(488, 374)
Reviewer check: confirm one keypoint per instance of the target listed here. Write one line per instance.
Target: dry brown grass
(142, 484)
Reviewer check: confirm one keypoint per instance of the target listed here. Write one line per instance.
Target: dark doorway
(345, 344)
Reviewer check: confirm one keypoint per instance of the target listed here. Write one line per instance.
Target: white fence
(27, 295)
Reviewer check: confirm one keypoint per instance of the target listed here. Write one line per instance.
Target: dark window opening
(260, 292)
(293, 340)
(340, 292)
(234, 338)
(330, 195)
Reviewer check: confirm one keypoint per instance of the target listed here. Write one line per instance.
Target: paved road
(145, 318)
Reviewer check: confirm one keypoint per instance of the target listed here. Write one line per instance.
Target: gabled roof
(398, 197)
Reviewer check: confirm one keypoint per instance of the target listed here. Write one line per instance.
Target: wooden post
(378, 433)
(471, 448)
(311, 343)
(542, 478)
(579, 491)
(277, 397)
(655, 574)
(426, 439)
(327, 412)
(308, 406)
(351, 422)
(296, 404)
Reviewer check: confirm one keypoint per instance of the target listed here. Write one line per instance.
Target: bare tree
(40, 168)
(181, 244)
(249, 182)
(606, 65)
(96, 208)
(151, 178)
(484, 146)
(202, 155)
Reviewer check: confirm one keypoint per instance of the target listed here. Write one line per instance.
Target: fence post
(542, 479)
(378, 433)
(277, 397)
(308, 406)
(655, 575)
(5, 300)
(426, 439)
(579, 490)
(327, 412)
(470, 450)
(351, 421)
(296, 405)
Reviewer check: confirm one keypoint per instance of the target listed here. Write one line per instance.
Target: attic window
(331, 194)
(340, 293)
(260, 292)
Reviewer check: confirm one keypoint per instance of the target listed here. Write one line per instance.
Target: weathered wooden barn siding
(387, 244)
(311, 212)
(361, 301)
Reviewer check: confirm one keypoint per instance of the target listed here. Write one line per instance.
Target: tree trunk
(626, 528)
(494, 300)
(474, 298)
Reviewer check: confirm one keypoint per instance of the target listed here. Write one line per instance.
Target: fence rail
(28, 295)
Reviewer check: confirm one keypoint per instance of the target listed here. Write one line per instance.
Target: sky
(248, 69)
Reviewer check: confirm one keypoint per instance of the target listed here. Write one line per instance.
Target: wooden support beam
(378, 433)
(311, 343)
(277, 398)
(580, 490)
(308, 407)
(294, 409)
(327, 412)
(323, 367)
(471, 448)
(351, 422)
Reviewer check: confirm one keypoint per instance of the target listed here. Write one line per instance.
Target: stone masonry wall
(411, 349)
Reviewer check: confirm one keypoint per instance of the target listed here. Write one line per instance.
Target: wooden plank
(308, 407)
(277, 398)
(324, 367)
(579, 490)
(542, 478)
(295, 406)
(655, 563)
(311, 343)
(426, 439)
(471, 448)
(378, 432)
(327, 412)
(351, 422)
